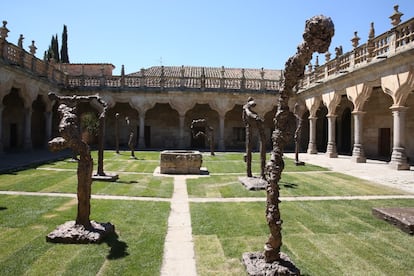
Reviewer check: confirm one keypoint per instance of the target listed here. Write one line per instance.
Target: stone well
(180, 162)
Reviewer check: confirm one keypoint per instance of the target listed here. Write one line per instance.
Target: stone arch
(409, 141)
(202, 111)
(321, 128)
(13, 120)
(163, 124)
(378, 125)
(124, 110)
(235, 137)
(344, 133)
(39, 122)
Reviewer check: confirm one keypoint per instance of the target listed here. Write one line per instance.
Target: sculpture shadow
(288, 185)
(127, 182)
(118, 249)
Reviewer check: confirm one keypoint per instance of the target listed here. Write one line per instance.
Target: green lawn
(135, 177)
(25, 221)
(322, 238)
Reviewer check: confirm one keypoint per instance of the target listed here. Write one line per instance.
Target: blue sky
(230, 33)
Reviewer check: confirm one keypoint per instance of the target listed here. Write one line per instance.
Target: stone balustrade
(398, 39)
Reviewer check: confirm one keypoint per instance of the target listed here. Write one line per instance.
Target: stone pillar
(141, 135)
(48, 126)
(221, 133)
(27, 128)
(358, 154)
(181, 129)
(398, 157)
(331, 147)
(312, 136)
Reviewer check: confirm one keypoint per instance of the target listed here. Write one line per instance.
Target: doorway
(384, 143)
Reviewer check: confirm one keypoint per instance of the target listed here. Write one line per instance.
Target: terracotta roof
(209, 72)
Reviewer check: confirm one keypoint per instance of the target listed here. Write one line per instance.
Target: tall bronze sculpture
(117, 133)
(100, 174)
(132, 139)
(319, 31)
(82, 230)
(252, 119)
(208, 132)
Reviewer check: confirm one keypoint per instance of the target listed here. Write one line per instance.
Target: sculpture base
(253, 183)
(403, 218)
(69, 232)
(106, 177)
(256, 265)
(299, 163)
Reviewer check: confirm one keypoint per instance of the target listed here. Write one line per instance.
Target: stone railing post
(142, 81)
(182, 79)
(262, 80)
(242, 80)
(222, 77)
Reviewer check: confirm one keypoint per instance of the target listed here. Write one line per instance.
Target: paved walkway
(372, 170)
(179, 257)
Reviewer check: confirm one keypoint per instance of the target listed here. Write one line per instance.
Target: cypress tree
(55, 48)
(64, 56)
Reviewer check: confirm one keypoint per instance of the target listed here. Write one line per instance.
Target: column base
(312, 148)
(331, 150)
(358, 154)
(399, 159)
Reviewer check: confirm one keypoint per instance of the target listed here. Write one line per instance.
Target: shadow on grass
(288, 185)
(3, 208)
(127, 182)
(118, 248)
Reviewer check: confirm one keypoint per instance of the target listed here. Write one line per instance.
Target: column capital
(399, 108)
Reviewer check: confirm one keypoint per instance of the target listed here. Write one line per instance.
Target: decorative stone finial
(355, 40)
(4, 31)
(20, 41)
(123, 70)
(327, 56)
(371, 31)
(33, 48)
(396, 16)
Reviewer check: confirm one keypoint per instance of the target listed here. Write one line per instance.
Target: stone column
(331, 151)
(358, 154)
(48, 126)
(398, 157)
(181, 129)
(141, 135)
(312, 136)
(27, 128)
(221, 133)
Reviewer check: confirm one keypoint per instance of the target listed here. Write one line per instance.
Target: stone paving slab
(403, 218)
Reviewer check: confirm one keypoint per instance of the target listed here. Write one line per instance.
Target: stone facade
(358, 103)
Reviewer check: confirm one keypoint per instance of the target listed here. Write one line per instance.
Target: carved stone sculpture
(82, 230)
(317, 38)
(208, 133)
